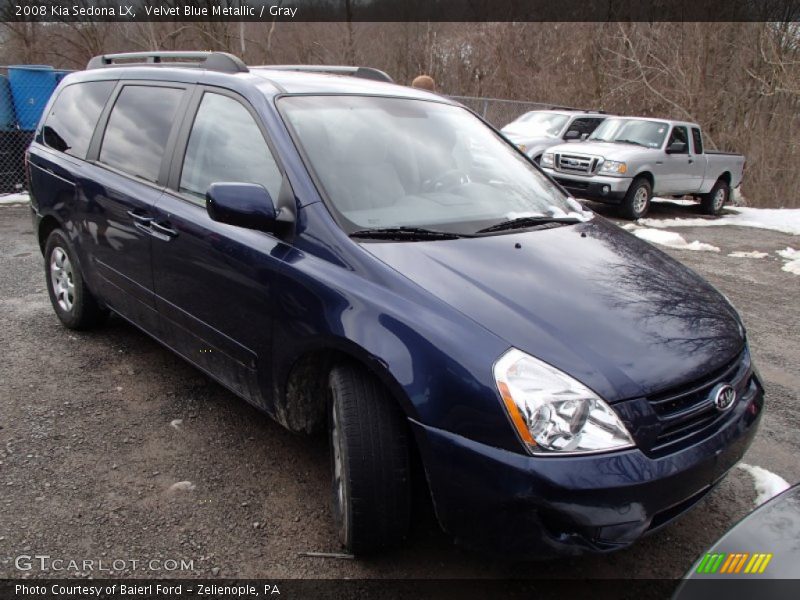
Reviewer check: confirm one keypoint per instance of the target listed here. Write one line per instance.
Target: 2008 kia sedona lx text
(349, 254)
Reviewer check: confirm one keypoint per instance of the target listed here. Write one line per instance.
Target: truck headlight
(613, 166)
(547, 159)
(553, 413)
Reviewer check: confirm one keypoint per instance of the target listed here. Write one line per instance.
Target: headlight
(613, 166)
(547, 159)
(552, 413)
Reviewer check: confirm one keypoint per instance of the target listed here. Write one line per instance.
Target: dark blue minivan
(375, 260)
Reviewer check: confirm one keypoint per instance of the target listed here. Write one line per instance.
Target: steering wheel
(448, 180)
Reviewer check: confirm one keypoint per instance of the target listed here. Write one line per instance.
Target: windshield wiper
(523, 222)
(631, 142)
(406, 233)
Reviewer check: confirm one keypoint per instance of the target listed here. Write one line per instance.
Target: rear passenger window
(698, 140)
(138, 128)
(70, 125)
(226, 145)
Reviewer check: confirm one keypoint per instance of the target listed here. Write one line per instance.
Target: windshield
(632, 131)
(538, 124)
(395, 162)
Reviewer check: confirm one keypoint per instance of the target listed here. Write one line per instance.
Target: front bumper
(534, 507)
(602, 188)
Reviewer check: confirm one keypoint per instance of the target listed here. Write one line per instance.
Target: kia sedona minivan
(376, 261)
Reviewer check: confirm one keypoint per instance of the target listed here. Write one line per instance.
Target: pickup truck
(627, 160)
(538, 130)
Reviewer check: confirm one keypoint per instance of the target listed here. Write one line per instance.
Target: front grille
(575, 163)
(689, 410)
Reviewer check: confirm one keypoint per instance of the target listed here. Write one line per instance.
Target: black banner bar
(401, 10)
(735, 588)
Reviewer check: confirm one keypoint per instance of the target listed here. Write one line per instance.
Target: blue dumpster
(8, 120)
(31, 88)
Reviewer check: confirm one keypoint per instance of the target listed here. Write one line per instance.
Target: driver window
(584, 126)
(226, 145)
(679, 134)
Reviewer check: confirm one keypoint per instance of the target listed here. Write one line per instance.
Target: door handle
(139, 217)
(164, 231)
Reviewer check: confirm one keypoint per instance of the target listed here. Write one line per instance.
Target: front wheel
(637, 199)
(72, 301)
(370, 462)
(713, 202)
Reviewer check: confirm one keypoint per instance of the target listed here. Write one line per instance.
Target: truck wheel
(713, 202)
(370, 462)
(74, 304)
(637, 199)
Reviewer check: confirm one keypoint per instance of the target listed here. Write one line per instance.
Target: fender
(361, 310)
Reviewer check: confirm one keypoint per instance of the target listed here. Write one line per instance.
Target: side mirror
(572, 134)
(242, 204)
(676, 148)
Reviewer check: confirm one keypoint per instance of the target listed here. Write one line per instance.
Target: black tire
(372, 492)
(72, 301)
(713, 202)
(632, 207)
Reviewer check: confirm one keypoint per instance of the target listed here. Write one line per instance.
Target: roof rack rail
(362, 72)
(213, 61)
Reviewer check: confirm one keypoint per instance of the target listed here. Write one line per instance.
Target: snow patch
(767, 483)
(785, 220)
(672, 240)
(751, 254)
(679, 201)
(792, 257)
(792, 266)
(18, 198)
(176, 423)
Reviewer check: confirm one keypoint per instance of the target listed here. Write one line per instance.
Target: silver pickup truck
(627, 160)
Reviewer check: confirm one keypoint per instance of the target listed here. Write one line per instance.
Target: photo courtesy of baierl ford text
(375, 300)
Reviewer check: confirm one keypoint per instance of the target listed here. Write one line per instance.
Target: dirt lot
(96, 427)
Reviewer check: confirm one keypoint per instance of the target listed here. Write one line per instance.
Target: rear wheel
(713, 202)
(637, 199)
(370, 462)
(72, 301)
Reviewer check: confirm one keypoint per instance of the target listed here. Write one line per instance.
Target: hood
(608, 150)
(519, 137)
(590, 299)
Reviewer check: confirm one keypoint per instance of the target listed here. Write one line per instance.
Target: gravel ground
(98, 430)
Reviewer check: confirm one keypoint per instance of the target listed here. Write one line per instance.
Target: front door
(681, 167)
(213, 281)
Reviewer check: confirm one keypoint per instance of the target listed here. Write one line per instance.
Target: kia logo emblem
(724, 396)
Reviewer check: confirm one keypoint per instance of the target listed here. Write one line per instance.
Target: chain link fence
(24, 92)
(500, 112)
